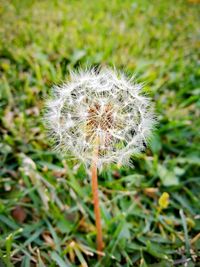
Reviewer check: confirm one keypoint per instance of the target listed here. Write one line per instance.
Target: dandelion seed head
(101, 105)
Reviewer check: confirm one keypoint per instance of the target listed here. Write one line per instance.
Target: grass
(46, 214)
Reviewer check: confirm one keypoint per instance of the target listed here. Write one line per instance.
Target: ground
(150, 212)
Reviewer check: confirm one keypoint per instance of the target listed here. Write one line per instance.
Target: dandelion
(100, 117)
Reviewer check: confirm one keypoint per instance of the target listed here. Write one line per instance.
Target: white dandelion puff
(100, 104)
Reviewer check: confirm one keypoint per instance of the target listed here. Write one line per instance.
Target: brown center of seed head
(100, 118)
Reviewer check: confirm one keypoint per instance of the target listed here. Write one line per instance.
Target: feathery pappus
(101, 108)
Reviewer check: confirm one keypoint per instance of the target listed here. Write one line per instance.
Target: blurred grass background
(46, 213)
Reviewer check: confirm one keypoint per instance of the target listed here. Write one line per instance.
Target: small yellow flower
(163, 201)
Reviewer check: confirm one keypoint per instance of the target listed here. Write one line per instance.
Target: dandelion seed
(104, 105)
(100, 117)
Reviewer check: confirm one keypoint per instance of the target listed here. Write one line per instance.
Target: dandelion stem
(96, 198)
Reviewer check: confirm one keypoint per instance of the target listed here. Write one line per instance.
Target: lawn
(46, 211)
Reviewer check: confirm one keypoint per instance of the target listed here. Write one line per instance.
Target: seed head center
(100, 117)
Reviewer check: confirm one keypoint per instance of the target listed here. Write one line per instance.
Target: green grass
(46, 214)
